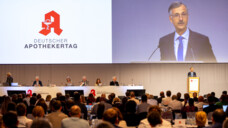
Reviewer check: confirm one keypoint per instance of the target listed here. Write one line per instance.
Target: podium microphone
(153, 52)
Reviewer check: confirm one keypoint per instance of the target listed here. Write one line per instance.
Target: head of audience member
(210, 100)
(174, 97)
(100, 110)
(178, 95)
(191, 102)
(38, 96)
(21, 109)
(162, 94)
(154, 118)
(144, 98)
(132, 94)
(98, 81)
(201, 118)
(43, 104)
(82, 99)
(69, 104)
(225, 124)
(84, 79)
(11, 106)
(38, 112)
(224, 92)
(37, 78)
(131, 106)
(201, 99)
(103, 95)
(127, 93)
(116, 100)
(218, 116)
(178, 16)
(194, 95)
(168, 93)
(4, 105)
(10, 120)
(14, 98)
(32, 101)
(48, 98)
(75, 111)
(223, 98)
(76, 96)
(124, 101)
(98, 99)
(58, 95)
(56, 106)
(154, 108)
(105, 124)
(120, 116)
(186, 96)
(90, 98)
(111, 116)
(40, 123)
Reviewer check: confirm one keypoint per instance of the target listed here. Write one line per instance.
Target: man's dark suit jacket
(199, 48)
(189, 74)
(40, 83)
(9, 80)
(112, 83)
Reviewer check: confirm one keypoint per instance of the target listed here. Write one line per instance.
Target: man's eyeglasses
(177, 15)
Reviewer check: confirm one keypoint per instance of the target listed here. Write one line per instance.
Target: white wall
(154, 77)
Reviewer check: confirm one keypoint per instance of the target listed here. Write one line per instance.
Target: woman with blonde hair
(201, 119)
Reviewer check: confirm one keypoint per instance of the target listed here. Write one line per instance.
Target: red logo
(191, 80)
(29, 92)
(48, 24)
(93, 92)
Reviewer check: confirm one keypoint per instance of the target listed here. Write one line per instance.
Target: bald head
(75, 111)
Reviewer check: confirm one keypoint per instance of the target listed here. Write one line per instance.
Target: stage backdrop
(154, 77)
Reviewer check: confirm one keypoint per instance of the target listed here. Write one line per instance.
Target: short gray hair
(175, 4)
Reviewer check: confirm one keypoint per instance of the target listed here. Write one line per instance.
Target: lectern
(193, 85)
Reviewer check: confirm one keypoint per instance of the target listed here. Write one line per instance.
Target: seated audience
(121, 123)
(218, 117)
(151, 100)
(131, 117)
(41, 123)
(11, 106)
(37, 112)
(167, 99)
(211, 106)
(116, 102)
(154, 118)
(190, 108)
(215, 98)
(201, 119)
(186, 98)
(102, 101)
(175, 104)
(179, 97)
(105, 124)
(143, 107)
(111, 116)
(21, 113)
(4, 105)
(90, 99)
(195, 97)
(224, 92)
(56, 116)
(162, 95)
(32, 103)
(223, 101)
(82, 106)
(41, 102)
(200, 103)
(10, 120)
(110, 98)
(145, 123)
(74, 119)
(132, 94)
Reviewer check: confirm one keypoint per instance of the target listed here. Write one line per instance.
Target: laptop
(225, 107)
(14, 84)
(204, 106)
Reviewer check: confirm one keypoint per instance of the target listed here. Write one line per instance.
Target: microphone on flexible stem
(153, 52)
(192, 52)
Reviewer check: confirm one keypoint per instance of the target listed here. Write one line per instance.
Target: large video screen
(113, 31)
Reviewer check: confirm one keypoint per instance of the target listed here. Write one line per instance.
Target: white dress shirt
(175, 105)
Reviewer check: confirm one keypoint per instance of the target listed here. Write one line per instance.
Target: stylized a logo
(48, 24)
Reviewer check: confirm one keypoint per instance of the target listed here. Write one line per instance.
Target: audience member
(41, 102)
(56, 116)
(223, 101)
(4, 105)
(11, 106)
(132, 95)
(69, 104)
(90, 99)
(74, 119)
(10, 120)
(143, 107)
(111, 116)
(186, 98)
(218, 117)
(130, 116)
(179, 97)
(167, 99)
(200, 103)
(195, 97)
(105, 124)
(215, 98)
(82, 106)
(40, 123)
(162, 95)
(191, 108)
(212, 107)
(225, 124)
(154, 118)
(102, 101)
(21, 113)
(224, 92)
(201, 119)
(121, 123)
(151, 100)
(145, 123)
(175, 104)
(32, 103)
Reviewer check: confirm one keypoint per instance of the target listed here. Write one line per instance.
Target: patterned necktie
(180, 53)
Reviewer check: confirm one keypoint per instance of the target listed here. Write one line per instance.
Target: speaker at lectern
(193, 85)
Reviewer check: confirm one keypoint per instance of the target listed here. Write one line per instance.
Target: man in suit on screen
(184, 44)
